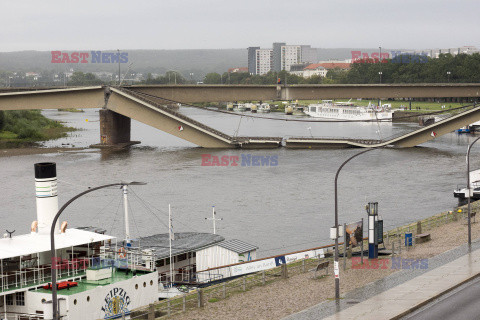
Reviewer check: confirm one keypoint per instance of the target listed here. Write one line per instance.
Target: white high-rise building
(264, 61)
(291, 55)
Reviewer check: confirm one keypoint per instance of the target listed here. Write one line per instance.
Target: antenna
(10, 233)
(214, 220)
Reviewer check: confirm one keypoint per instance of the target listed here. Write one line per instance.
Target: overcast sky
(204, 24)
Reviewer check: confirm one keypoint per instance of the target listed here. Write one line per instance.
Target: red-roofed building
(237, 70)
(335, 65)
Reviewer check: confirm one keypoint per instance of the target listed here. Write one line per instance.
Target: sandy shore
(284, 297)
(32, 150)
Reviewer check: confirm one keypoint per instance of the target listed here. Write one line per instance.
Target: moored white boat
(97, 278)
(347, 111)
(264, 108)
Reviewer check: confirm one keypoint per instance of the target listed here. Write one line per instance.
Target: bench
(319, 267)
(421, 238)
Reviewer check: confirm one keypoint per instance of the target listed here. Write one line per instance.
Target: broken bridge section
(136, 106)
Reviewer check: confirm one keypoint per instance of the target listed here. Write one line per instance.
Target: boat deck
(84, 285)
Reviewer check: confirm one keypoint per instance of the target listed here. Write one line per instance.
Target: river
(279, 208)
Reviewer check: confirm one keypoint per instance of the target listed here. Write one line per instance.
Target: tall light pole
(56, 316)
(335, 264)
(380, 56)
(469, 192)
(380, 74)
(118, 51)
(191, 77)
(448, 75)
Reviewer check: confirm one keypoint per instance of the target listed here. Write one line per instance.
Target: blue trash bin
(408, 239)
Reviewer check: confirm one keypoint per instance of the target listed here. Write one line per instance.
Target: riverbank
(284, 297)
(27, 128)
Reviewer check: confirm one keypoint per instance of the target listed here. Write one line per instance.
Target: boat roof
(184, 242)
(31, 243)
(237, 246)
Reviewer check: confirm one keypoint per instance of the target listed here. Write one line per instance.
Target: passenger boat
(461, 192)
(348, 111)
(264, 108)
(97, 276)
(239, 107)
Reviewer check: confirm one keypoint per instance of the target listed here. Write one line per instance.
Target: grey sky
(202, 24)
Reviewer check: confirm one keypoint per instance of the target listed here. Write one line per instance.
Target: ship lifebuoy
(122, 253)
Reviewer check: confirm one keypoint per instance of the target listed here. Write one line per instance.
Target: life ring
(122, 253)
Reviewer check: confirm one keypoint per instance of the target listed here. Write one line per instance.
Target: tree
(212, 78)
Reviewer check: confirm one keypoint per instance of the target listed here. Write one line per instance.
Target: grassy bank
(24, 128)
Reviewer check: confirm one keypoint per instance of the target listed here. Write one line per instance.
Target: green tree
(212, 78)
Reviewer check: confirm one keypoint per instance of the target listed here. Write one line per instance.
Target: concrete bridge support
(114, 130)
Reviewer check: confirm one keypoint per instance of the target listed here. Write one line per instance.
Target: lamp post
(335, 264)
(469, 192)
(380, 56)
(191, 77)
(56, 316)
(448, 76)
(380, 74)
(119, 79)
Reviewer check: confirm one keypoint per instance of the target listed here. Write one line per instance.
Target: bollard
(419, 227)
(184, 303)
(224, 290)
(263, 277)
(284, 271)
(244, 283)
(303, 265)
(200, 298)
(151, 311)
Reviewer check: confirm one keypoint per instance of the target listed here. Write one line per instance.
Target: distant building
(277, 56)
(264, 61)
(315, 69)
(291, 55)
(298, 69)
(252, 59)
(335, 65)
(280, 57)
(309, 54)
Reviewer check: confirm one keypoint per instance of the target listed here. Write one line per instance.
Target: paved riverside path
(396, 294)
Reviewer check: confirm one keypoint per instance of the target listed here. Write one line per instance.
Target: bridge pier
(114, 130)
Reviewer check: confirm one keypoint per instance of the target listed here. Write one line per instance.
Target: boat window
(20, 298)
(9, 299)
(88, 298)
(182, 257)
(313, 109)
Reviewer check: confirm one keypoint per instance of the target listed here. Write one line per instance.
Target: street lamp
(380, 74)
(335, 264)
(191, 77)
(448, 75)
(380, 56)
(52, 238)
(469, 192)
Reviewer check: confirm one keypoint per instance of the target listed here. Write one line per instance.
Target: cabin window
(182, 257)
(161, 263)
(151, 282)
(313, 109)
(20, 298)
(9, 300)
